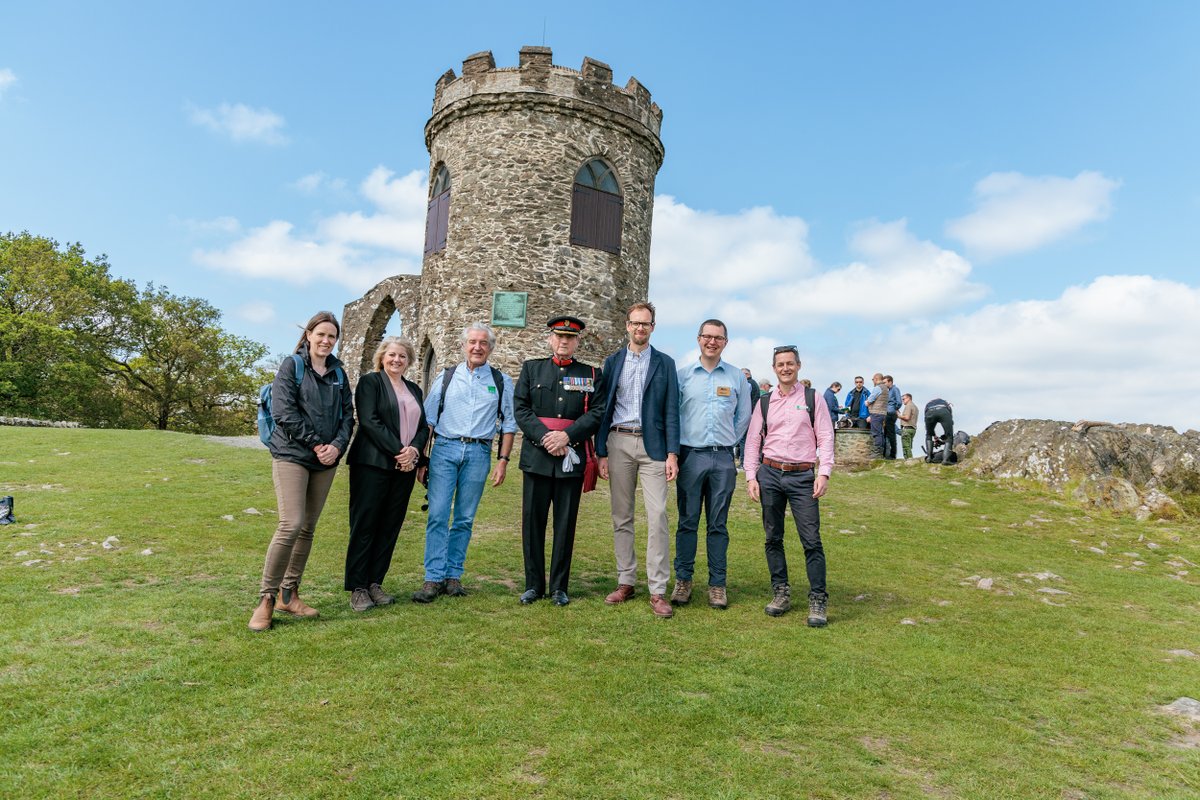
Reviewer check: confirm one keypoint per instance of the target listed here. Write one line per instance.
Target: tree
(50, 303)
(76, 343)
(177, 369)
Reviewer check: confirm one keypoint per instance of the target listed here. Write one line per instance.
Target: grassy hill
(126, 668)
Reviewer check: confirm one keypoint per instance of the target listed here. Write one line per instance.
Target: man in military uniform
(558, 403)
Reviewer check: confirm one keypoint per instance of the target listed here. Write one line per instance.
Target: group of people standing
(650, 423)
(882, 408)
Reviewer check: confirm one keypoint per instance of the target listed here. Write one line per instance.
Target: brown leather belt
(626, 429)
(789, 466)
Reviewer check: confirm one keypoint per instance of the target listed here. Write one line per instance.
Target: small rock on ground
(1184, 707)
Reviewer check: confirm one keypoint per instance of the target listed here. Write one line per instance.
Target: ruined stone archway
(365, 321)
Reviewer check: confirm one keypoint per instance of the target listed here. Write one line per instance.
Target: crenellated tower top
(537, 80)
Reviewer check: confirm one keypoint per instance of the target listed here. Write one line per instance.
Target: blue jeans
(706, 481)
(457, 474)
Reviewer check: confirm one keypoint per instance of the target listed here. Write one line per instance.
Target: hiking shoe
(682, 595)
(428, 592)
(781, 603)
(360, 600)
(816, 611)
(717, 598)
(660, 606)
(454, 588)
(378, 596)
(260, 620)
(289, 601)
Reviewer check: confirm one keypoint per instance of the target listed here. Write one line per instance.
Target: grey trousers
(300, 494)
(627, 462)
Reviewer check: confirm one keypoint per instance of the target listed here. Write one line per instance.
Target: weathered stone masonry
(513, 140)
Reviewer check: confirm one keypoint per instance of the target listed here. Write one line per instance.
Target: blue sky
(997, 205)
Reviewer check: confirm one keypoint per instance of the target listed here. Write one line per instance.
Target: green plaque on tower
(508, 309)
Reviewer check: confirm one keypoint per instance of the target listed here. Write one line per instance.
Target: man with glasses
(714, 412)
(639, 438)
(789, 428)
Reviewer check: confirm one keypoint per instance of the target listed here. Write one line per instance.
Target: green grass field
(127, 670)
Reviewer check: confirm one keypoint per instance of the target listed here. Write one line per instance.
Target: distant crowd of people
(638, 419)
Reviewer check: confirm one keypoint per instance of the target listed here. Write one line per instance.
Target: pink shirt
(790, 435)
(410, 413)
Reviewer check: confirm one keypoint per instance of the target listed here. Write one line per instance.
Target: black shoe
(559, 598)
(454, 588)
(530, 596)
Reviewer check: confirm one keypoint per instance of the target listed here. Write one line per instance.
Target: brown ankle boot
(260, 620)
(289, 601)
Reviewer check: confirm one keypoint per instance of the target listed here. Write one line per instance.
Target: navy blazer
(660, 404)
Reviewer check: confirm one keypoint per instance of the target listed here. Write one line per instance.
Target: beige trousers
(300, 494)
(627, 462)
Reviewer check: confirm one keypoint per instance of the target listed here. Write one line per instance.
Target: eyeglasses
(787, 348)
(706, 337)
(633, 324)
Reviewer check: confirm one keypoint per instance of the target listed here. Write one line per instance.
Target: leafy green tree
(51, 320)
(76, 343)
(177, 369)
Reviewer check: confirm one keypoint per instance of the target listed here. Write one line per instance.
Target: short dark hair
(837, 384)
(889, 378)
(724, 330)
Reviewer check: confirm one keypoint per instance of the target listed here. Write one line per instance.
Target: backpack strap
(298, 362)
(810, 400)
(764, 403)
(447, 376)
(498, 379)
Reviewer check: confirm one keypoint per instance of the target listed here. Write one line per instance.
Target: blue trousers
(706, 482)
(457, 474)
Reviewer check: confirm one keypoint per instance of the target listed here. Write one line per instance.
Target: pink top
(790, 435)
(410, 413)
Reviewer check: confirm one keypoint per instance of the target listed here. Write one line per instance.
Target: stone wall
(25, 422)
(853, 447)
(513, 140)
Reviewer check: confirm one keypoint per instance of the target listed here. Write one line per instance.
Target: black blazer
(660, 404)
(378, 441)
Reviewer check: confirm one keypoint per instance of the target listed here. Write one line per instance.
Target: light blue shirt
(714, 407)
(894, 399)
(470, 408)
(631, 385)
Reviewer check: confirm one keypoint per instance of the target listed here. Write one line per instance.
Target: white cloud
(8, 78)
(1114, 350)
(316, 181)
(258, 312)
(241, 123)
(208, 227)
(754, 270)
(354, 249)
(1017, 212)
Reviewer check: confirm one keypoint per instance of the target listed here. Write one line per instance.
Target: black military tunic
(548, 390)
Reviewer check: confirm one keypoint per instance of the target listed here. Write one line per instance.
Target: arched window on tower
(596, 208)
(438, 217)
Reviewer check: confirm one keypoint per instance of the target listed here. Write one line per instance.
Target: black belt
(626, 429)
(466, 440)
(936, 408)
(709, 448)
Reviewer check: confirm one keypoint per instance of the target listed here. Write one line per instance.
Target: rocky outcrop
(24, 422)
(1142, 469)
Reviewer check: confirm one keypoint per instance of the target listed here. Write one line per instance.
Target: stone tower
(541, 181)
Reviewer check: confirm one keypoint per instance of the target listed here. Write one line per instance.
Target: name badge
(578, 384)
(724, 391)
(491, 389)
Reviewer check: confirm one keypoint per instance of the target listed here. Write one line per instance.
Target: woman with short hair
(384, 460)
(313, 412)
